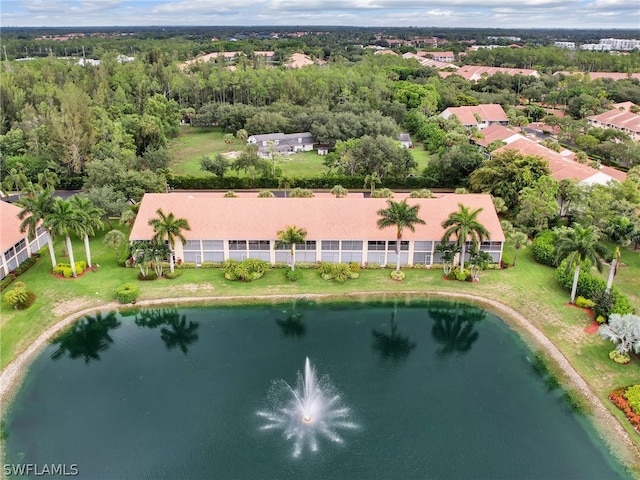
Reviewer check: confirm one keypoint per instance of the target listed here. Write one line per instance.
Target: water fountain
(305, 414)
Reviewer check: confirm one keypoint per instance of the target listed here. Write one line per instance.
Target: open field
(192, 143)
(529, 289)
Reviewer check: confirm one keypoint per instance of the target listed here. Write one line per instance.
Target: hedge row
(191, 182)
(594, 289)
(20, 269)
(543, 248)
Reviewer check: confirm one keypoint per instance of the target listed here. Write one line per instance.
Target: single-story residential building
(621, 118)
(338, 229)
(283, 143)
(479, 116)
(16, 247)
(474, 73)
(405, 140)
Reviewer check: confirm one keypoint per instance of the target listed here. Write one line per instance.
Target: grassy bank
(529, 289)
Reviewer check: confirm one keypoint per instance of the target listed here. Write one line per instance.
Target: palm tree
(290, 236)
(16, 179)
(372, 180)
(91, 221)
(578, 244)
(399, 215)
(169, 227)
(613, 268)
(114, 239)
(35, 208)
(64, 219)
(464, 225)
(519, 239)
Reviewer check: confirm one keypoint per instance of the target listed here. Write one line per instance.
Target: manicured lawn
(192, 143)
(529, 288)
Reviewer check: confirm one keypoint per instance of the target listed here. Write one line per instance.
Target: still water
(428, 389)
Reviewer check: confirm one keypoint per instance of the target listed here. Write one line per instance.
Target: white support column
(225, 249)
(410, 252)
(272, 252)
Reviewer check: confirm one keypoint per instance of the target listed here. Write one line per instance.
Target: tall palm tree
(518, 239)
(169, 227)
(64, 219)
(35, 208)
(91, 220)
(464, 225)
(613, 268)
(399, 215)
(114, 239)
(290, 236)
(372, 180)
(578, 244)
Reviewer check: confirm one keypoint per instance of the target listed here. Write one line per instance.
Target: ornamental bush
(621, 358)
(584, 302)
(292, 275)
(543, 248)
(632, 394)
(127, 292)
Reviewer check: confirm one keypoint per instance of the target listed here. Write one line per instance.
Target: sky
(623, 14)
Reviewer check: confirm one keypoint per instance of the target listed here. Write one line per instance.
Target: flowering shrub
(619, 399)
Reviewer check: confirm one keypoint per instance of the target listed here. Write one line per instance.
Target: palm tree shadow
(176, 331)
(87, 338)
(454, 329)
(292, 326)
(392, 345)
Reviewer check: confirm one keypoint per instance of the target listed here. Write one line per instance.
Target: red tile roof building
(338, 229)
(474, 73)
(480, 116)
(619, 118)
(15, 246)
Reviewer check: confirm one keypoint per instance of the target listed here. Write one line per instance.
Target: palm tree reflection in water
(176, 331)
(455, 329)
(392, 345)
(87, 338)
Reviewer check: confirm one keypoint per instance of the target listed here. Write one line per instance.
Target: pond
(423, 389)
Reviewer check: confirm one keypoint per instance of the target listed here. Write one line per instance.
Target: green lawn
(529, 288)
(192, 143)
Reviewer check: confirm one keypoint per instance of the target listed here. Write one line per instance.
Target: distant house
(405, 140)
(474, 73)
(15, 246)
(479, 116)
(447, 57)
(619, 118)
(282, 143)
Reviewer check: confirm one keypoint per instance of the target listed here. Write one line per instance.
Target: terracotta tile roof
(214, 218)
(609, 75)
(10, 232)
(620, 119)
(475, 72)
(562, 167)
(491, 112)
(496, 132)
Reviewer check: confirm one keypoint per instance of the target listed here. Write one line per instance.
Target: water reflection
(454, 328)
(176, 331)
(87, 338)
(392, 345)
(292, 325)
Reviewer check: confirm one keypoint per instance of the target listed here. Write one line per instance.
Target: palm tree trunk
(398, 252)
(515, 257)
(171, 266)
(462, 252)
(293, 256)
(52, 252)
(612, 272)
(574, 288)
(71, 259)
(87, 250)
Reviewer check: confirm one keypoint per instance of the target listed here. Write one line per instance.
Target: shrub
(248, 270)
(354, 266)
(185, 265)
(595, 289)
(399, 276)
(18, 296)
(292, 275)
(230, 194)
(619, 399)
(324, 268)
(171, 276)
(601, 319)
(621, 358)
(543, 248)
(67, 272)
(145, 278)
(372, 266)
(382, 193)
(584, 302)
(632, 394)
(300, 193)
(424, 193)
(266, 194)
(6, 281)
(127, 292)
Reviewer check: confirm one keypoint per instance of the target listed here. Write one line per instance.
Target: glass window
(9, 253)
(422, 246)
(192, 245)
(259, 245)
(308, 245)
(237, 244)
(352, 245)
(376, 245)
(404, 245)
(20, 245)
(212, 245)
(330, 245)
